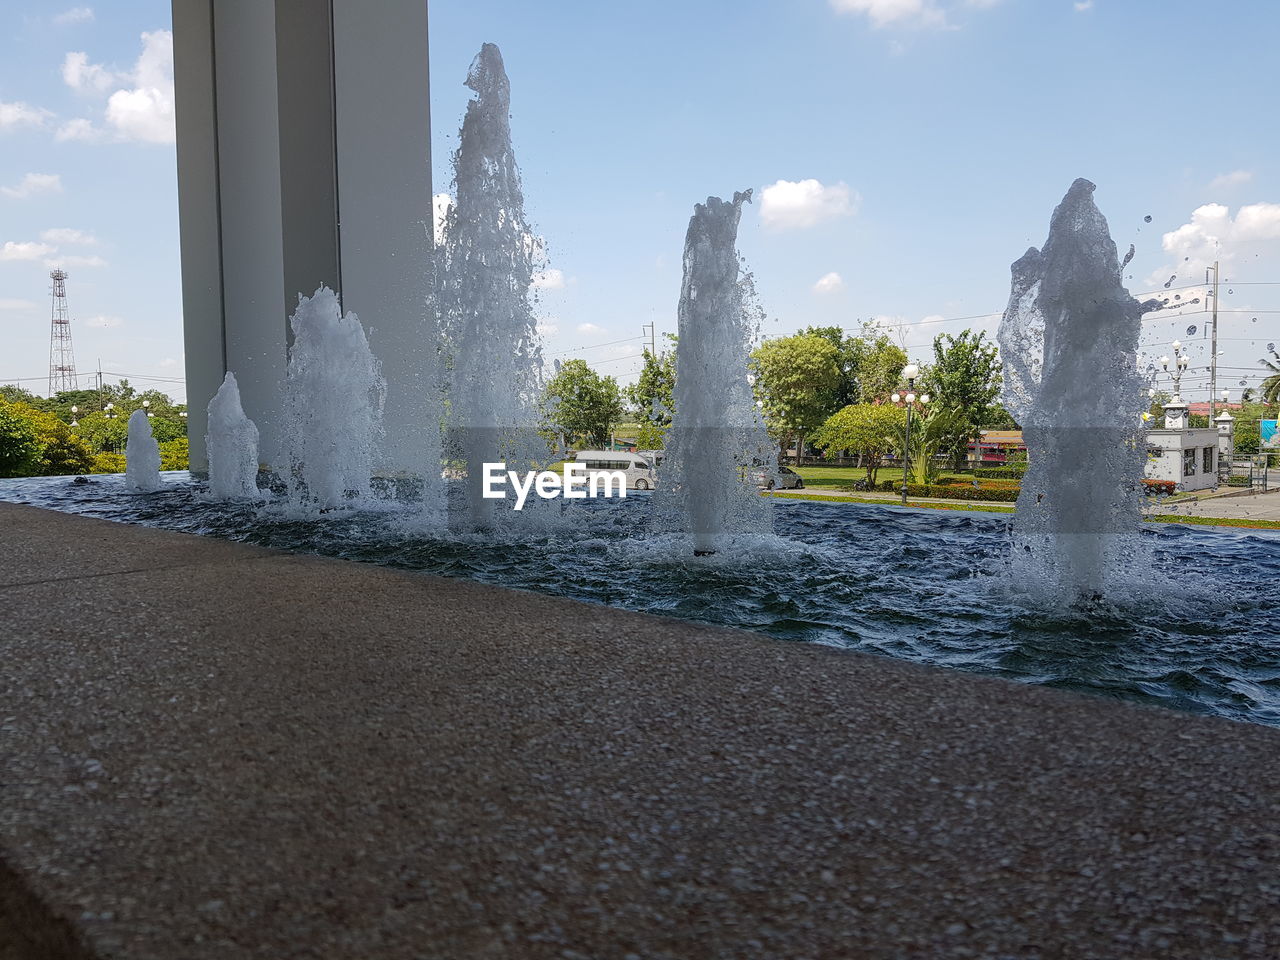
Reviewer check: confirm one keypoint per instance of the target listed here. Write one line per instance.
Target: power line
(596, 346)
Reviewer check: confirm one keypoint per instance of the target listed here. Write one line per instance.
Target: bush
(1158, 488)
(1000, 473)
(952, 492)
(108, 463)
(1237, 481)
(173, 454)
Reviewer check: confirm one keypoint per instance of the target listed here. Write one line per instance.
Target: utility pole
(1213, 347)
(653, 338)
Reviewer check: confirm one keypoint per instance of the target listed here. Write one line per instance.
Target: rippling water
(1197, 630)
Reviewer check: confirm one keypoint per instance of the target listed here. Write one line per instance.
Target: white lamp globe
(924, 398)
(911, 371)
(895, 398)
(911, 398)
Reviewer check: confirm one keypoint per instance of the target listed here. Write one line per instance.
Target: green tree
(932, 430)
(795, 379)
(651, 394)
(1270, 389)
(871, 430)
(870, 364)
(58, 448)
(964, 379)
(19, 443)
(581, 403)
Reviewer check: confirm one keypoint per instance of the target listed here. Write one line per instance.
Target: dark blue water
(1191, 626)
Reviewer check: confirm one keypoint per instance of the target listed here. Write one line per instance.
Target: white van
(638, 471)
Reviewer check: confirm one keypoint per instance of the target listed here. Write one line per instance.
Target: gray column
(303, 158)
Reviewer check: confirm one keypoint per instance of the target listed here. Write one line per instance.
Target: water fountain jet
(1069, 343)
(232, 446)
(716, 440)
(141, 455)
(484, 272)
(333, 406)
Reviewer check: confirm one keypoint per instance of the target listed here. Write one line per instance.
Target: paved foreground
(213, 751)
(1257, 506)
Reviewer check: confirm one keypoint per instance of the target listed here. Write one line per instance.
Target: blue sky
(911, 148)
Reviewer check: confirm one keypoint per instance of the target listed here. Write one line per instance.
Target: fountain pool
(923, 585)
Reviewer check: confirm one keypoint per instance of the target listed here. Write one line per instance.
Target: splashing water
(232, 442)
(1069, 340)
(333, 406)
(717, 442)
(142, 456)
(484, 273)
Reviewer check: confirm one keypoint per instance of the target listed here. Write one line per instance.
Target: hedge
(943, 491)
(999, 473)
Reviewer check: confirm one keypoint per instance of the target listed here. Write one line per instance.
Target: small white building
(1191, 457)
(1188, 457)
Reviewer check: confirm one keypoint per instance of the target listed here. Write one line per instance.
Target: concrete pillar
(304, 158)
(1226, 425)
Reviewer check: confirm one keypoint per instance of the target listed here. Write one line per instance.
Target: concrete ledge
(233, 753)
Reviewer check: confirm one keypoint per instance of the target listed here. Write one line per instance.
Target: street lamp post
(910, 371)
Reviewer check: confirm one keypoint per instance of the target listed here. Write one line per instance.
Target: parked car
(640, 472)
(780, 478)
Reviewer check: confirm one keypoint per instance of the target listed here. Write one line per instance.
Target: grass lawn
(1000, 508)
(843, 478)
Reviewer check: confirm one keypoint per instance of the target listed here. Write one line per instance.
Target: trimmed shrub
(951, 492)
(1000, 473)
(1158, 488)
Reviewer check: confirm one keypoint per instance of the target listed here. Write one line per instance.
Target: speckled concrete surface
(269, 756)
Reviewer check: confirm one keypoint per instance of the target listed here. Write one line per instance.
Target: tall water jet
(717, 440)
(333, 406)
(232, 446)
(1069, 344)
(141, 456)
(484, 272)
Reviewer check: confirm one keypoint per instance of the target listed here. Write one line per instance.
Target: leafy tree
(870, 430)
(57, 448)
(651, 436)
(965, 379)
(1270, 389)
(580, 402)
(19, 443)
(108, 463)
(795, 379)
(104, 433)
(870, 364)
(12, 393)
(651, 394)
(876, 362)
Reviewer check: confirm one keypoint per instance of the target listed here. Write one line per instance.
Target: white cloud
(28, 250)
(103, 322)
(588, 328)
(78, 129)
(63, 262)
(1235, 178)
(34, 183)
(8, 303)
(67, 235)
(1212, 234)
(74, 15)
(798, 204)
(884, 13)
(16, 114)
(829, 283)
(549, 280)
(1083, 5)
(79, 74)
(142, 111)
(168, 363)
